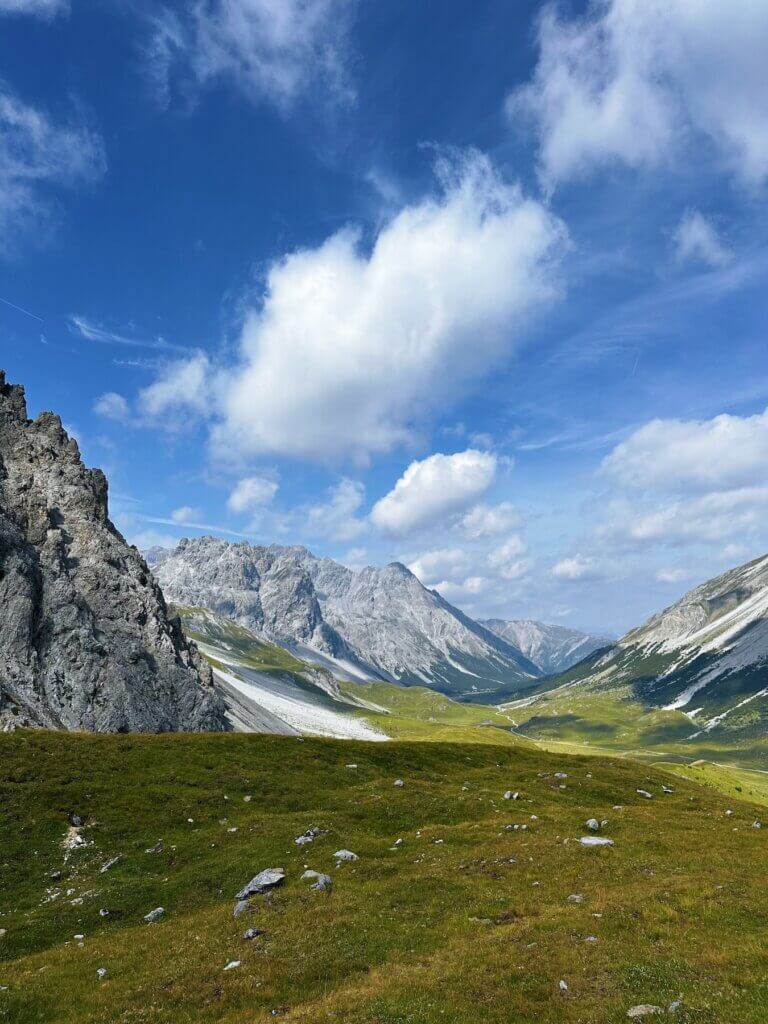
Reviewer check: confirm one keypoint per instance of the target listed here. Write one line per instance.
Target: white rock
(595, 841)
(563, 985)
(645, 793)
(154, 915)
(643, 1010)
(399, 783)
(232, 965)
(345, 857)
(593, 825)
(101, 972)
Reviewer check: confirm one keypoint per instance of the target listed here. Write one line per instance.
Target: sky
(480, 287)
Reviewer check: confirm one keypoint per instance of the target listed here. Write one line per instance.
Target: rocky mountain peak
(86, 641)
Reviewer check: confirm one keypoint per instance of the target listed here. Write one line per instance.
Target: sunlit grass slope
(467, 919)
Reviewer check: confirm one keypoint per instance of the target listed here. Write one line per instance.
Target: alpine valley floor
(463, 906)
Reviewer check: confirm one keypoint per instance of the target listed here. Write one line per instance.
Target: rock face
(85, 638)
(706, 656)
(373, 624)
(550, 648)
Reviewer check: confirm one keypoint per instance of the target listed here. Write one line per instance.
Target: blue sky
(480, 287)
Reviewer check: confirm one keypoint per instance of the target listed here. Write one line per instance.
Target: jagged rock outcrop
(85, 637)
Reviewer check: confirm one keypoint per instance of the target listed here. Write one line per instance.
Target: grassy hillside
(465, 920)
(583, 709)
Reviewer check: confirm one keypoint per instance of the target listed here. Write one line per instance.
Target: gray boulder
(323, 882)
(270, 878)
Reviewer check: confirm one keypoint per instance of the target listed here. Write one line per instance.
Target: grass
(739, 783)
(464, 921)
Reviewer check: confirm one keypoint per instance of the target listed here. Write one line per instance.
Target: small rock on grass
(270, 878)
(595, 841)
(593, 824)
(253, 933)
(645, 793)
(345, 857)
(154, 915)
(240, 908)
(643, 1010)
(232, 965)
(323, 882)
(101, 973)
(399, 783)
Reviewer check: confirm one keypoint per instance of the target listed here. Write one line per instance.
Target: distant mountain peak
(551, 648)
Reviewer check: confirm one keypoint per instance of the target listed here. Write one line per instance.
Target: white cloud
(470, 589)
(727, 451)
(181, 388)
(672, 575)
(38, 8)
(490, 520)
(251, 493)
(94, 332)
(505, 559)
(353, 349)
(337, 519)
(708, 519)
(112, 406)
(577, 569)
(444, 564)
(37, 157)
(434, 489)
(271, 50)
(635, 80)
(696, 240)
(186, 514)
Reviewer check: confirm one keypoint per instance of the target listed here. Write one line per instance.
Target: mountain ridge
(372, 624)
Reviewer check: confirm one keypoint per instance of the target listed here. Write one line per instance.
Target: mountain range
(375, 624)
(701, 665)
(552, 649)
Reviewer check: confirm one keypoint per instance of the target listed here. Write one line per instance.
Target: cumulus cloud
(505, 558)
(433, 490)
(113, 407)
(186, 514)
(727, 451)
(696, 241)
(252, 492)
(489, 520)
(338, 519)
(38, 8)
(186, 387)
(271, 50)
(353, 348)
(634, 82)
(443, 564)
(688, 482)
(707, 519)
(38, 157)
(577, 569)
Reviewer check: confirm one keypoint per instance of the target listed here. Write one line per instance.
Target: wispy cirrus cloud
(273, 51)
(38, 158)
(638, 83)
(95, 332)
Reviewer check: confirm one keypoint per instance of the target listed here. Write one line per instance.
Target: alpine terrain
(376, 624)
(551, 648)
(700, 668)
(86, 641)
